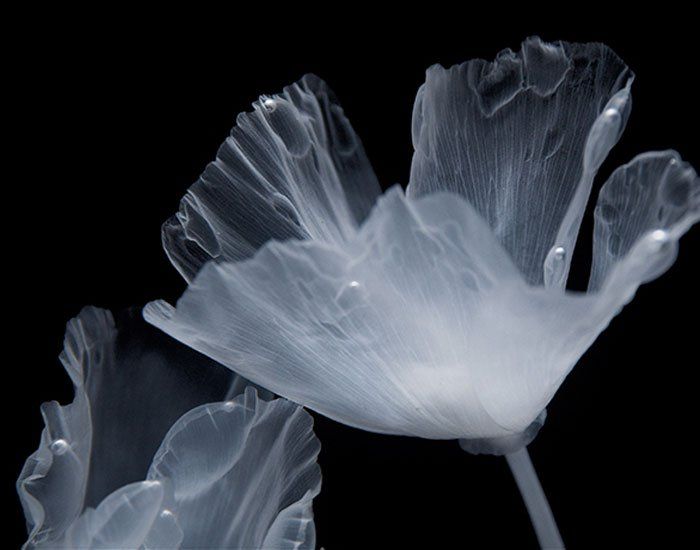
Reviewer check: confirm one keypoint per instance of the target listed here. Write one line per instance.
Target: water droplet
(151, 483)
(659, 236)
(354, 284)
(555, 268)
(229, 406)
(59, 446)
(270, 104)
(610, 113)
(166, 514)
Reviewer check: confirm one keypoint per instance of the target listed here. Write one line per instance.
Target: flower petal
(421, 325)
(122, 520)
(642, 211)
(54, 478)
(131, 384)
(133, 370)
(244, 474)
(293, 168)
(521, 138)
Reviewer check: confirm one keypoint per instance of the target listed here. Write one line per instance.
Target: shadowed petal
(521, 139)
(292, 168)
(244, 474)
(54, 478)
(131, 384)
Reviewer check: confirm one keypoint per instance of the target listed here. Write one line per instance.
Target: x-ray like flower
(142, 459)
(443, 313)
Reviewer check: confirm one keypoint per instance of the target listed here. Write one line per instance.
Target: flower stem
(535, 499)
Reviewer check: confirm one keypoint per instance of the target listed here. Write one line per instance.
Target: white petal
(244, 474)
(138, 385)
(122, 520)
(293, 527)
(131, 384)
(642, 211)
(522, 138)
(293, 168)
(165, 531)
(420, 325)
(54, 479)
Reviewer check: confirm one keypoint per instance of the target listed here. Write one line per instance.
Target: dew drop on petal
(659, 236)
(555, 267)
(229, 406)
(59, 446)
(270, 104)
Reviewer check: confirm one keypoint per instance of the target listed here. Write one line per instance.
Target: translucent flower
(443, 313)
(142, 459)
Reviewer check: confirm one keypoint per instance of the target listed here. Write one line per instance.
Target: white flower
(141, 459)
(443, 314)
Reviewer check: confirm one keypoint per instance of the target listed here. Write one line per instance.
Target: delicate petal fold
(122, 520)
(521, 138)
(131, 383)
(642, 211)
(53, 481)
(138, 383)
(292, 168)
(228, 474)
(421, 325)
(244, 474)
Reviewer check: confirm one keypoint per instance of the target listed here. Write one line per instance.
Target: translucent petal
(165, 532)
(521, 139)
(54, 478)
(642, 211)
(132, 371)
(131, 383)
(122, 520)
(244, 474)
(293, 168)
(420, 325)
(294, 526)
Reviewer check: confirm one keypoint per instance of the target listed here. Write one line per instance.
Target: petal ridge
(291, 168)
(521, 138)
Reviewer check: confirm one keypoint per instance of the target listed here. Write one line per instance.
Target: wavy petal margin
(421, 324)
(244, 474)
(84, 486)
(521, 138)
(654, 199)
(292, 168)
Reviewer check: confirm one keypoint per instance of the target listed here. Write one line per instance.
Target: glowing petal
(642, 211)
(521, 139)
(292, 168)
(122, 520)
(132, 383)
(420, 325)
(244, 474)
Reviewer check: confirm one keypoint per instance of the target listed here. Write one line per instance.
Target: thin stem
(535, 499)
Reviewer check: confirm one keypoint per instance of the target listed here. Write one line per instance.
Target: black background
(118, 115)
